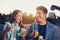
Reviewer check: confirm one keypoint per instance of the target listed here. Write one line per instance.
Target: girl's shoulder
(5, 25)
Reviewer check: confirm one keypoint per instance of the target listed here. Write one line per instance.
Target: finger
(42, 39)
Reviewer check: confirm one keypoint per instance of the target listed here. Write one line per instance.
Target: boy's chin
(38, 21)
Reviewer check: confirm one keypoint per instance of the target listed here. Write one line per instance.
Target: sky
(29, 6)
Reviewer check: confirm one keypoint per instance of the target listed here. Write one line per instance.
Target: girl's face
(18, 17)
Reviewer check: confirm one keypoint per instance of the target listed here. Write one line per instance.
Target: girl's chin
(18, 21)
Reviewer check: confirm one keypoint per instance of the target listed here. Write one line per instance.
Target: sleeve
(5, 26)
(55, 35)
(28, 33)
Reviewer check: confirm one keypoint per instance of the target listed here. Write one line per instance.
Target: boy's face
(40, 15)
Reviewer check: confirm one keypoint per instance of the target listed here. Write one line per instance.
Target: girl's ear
(14, 17)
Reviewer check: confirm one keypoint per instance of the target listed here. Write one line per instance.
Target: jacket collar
(48, 30)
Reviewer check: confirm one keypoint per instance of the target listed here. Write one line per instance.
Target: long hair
(15, 12)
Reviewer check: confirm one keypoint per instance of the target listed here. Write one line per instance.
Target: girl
(12, 28)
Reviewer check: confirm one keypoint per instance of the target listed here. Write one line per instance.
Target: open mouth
(18, 19)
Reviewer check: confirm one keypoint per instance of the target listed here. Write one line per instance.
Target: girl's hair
(15, 12)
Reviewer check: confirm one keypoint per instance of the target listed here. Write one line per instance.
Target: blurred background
(29, 11)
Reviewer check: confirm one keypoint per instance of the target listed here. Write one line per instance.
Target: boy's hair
(42, 8)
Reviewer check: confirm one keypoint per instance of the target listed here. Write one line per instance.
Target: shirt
(10, 33)
(42, 31)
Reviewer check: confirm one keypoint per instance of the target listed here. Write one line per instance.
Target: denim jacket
(51, 32)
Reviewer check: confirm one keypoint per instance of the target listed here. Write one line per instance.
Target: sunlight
(29, 6)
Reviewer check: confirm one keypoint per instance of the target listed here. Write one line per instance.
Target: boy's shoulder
(34, 23)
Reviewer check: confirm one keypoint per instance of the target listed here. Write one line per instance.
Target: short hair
(42, 8)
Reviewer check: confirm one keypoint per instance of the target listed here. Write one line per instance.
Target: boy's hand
(34, 34)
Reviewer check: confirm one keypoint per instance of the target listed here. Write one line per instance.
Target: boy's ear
(45, 14)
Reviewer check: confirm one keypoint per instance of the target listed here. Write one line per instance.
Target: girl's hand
(9, 28)
(5, 32)
(23, 34)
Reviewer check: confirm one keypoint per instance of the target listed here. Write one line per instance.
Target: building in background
(52, 15)
(52, 18)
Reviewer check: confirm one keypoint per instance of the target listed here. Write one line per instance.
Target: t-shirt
(42, 31)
